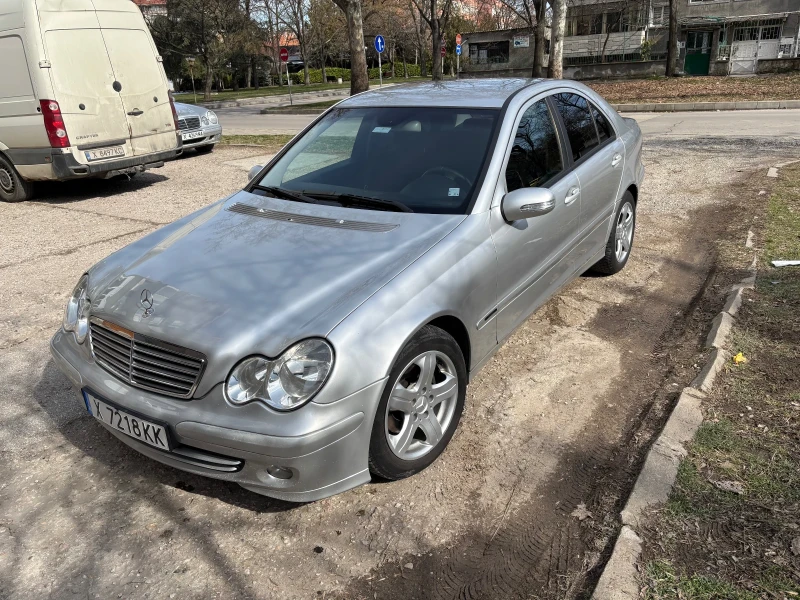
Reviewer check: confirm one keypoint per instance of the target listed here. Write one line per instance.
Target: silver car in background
(198, 126)
(319, 328)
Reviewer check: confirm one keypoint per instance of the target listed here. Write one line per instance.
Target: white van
(83, 93)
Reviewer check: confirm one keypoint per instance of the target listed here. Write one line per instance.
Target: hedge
(315, 75)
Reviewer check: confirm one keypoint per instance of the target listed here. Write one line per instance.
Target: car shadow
(77, 190)
(91, 438)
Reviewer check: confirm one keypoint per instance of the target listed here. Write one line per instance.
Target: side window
(536, 154)
(603, 127)
(577, 117)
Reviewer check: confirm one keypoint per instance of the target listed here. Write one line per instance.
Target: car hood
(189, 110)
(251, 275)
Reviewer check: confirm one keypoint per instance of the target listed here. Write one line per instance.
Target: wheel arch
(634, 192)
(456, 328)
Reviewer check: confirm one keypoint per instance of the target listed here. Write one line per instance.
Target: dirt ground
(700, 89)
(521, 505)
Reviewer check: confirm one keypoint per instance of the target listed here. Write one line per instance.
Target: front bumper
(325, 446)
(211, 135)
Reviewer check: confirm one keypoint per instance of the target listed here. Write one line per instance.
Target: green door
(698, 52)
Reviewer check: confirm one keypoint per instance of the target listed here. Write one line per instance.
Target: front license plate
(103, 153)
(192, 135)
(144, 431)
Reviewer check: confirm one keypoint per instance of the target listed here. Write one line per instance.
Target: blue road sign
(458, 49)
(380, 44)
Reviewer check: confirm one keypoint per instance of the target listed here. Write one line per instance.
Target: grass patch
(731, 527)
(700, 89)
(271, 143)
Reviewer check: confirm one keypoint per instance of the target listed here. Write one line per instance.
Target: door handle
(572, 195)
(136, 112)
(616, 160)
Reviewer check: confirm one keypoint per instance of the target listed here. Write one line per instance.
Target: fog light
(279, 472)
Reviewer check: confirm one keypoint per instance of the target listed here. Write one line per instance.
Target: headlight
(76, 315)
(212, 117)
(204, 121)
(286, 382)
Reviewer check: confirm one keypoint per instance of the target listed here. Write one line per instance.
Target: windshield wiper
(356, 200)
(286, 194)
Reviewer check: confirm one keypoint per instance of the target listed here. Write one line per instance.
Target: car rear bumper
(325, 447)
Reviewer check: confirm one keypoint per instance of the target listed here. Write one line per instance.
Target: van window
(80, 66)
(16, 79)
(577, 117)
(536, 154)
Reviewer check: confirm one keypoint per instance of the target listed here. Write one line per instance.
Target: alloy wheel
(421, 406)
(624, 233)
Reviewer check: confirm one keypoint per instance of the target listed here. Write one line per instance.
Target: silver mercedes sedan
(318, 329)
(199, 127)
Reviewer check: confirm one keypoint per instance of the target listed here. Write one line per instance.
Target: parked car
(82, 94)
(199, 127)
(319, 327)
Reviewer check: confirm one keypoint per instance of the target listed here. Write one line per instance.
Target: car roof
(462, 93)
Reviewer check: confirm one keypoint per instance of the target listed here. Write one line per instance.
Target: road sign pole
(380, 71)
(289, 81)
(458, 65)
(380, 44)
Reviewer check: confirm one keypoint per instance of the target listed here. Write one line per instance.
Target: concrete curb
(708, 106)
(620, 577)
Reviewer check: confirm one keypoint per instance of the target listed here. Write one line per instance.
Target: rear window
(577, 117)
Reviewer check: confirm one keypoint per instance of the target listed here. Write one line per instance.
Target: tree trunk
(306, 76)
(254, 69)
(672, 39)
(391, 58)
(540, 39)
(359, 79)
(403, 58)
(324, 70)
(554, 69)
(436, 44)
(209, 82)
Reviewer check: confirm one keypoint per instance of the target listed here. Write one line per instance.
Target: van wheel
(13, 188)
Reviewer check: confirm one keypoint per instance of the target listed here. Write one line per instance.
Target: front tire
(620, 240)
(13, 188)
(205, 149)
(420, 407)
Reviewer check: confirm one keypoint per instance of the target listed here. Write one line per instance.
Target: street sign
(458, 39)
(444, 50)
(380, 43)
(284, 55)
(458, 49)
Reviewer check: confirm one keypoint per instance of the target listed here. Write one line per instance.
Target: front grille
(185, 123)
(145, 362)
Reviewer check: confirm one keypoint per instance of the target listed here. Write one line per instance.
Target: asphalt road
(728, 124)
(520, 505)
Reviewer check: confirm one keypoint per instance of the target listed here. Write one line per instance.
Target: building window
(751, 31)
(483, 53)
(613, 22)
(771, 33)
(660, 16)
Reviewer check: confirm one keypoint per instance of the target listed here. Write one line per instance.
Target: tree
(436, 15)
(359, 79)
(294, 15)
(540, 39)
(554, 68)
(672, 39)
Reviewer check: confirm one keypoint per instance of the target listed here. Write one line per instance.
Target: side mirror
(255, 170)
(525, 203)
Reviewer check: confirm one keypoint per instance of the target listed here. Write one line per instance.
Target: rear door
(82, 80)
(142, 88)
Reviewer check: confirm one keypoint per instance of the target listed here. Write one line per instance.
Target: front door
(698, 52)
(532, 254)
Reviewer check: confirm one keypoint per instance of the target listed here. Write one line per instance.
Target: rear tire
(427, 387)
(205, 149)
(620, 240)
(13, 188)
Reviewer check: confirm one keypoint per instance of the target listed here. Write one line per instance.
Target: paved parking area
(503, 512)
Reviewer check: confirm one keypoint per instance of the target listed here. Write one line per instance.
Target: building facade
(629, 37)
(151, 8)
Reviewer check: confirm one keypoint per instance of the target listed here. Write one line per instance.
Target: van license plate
(103, 153)
(192, 135)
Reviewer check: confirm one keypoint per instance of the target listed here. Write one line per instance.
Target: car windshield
(426, 160)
